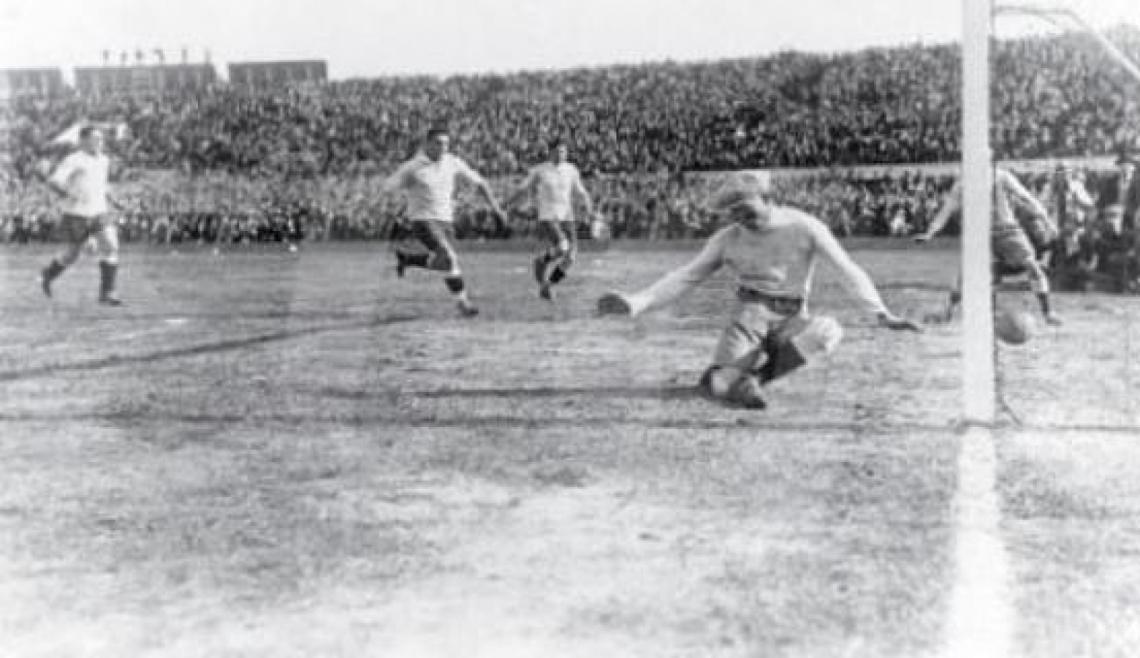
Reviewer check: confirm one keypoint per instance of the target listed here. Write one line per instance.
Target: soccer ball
(1013, 327)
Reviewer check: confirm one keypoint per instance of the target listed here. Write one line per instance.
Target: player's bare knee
(717, 381)
(819, 337)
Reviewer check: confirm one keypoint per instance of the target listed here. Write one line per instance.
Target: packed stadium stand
(641, 134)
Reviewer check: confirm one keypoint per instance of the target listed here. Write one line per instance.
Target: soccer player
(428, 182)
(554, 184)
(773, 251)
(81, 179)
(1012, 249)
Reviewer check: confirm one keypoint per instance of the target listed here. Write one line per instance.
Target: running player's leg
(759, 346)
(738, 353)
(444, 258)
(75, 231)
(556, 246)
(553, 244)
(558, 273)
(417, 231)
(225, 234)
(1013, 250)
(107, 241)
(954, 300)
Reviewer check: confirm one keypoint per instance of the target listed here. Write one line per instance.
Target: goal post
(978, 387)
(978, 16)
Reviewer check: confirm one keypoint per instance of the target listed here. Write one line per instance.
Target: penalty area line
(981, 616)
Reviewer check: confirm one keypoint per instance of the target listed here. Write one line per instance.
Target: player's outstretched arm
(396, 181)
(949, 205)
(485, 191)
(578, 188)
(56, 181)
(523, 190)
(858, 281)
(673, 285)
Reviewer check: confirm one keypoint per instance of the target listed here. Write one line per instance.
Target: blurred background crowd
(1054, 97)
(307, 160)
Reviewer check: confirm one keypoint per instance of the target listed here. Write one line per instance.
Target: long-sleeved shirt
(778, 260)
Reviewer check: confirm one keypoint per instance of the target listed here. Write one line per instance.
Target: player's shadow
(647, 392)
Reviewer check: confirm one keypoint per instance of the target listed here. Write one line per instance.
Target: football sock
(53, 270)
(107, 273)
(783, 358)
(456, 286)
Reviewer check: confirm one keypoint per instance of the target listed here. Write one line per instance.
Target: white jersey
(778, 261)
(84, 176)
(553, 186)
(430, 186)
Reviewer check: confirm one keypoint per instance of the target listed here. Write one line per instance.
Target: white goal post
(978, 370)
(978, 392)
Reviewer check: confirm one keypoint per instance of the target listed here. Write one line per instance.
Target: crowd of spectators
(1056, 96)
(306, 161)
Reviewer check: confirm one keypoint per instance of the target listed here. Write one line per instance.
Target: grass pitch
(274, 454)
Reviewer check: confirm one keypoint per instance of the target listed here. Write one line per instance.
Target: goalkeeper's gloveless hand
(896, 323)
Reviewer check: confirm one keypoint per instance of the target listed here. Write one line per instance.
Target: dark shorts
(434, 235)
(778, 304)
(1012, 248)
(556, 233)
(77, 228)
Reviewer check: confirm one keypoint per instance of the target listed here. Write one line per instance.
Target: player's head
(91, 139)
(745, 200)
(436, 143)
(557, 151)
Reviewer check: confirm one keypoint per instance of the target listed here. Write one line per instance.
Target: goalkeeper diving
(773, 250)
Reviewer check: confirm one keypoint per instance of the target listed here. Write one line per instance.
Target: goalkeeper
(773, 251)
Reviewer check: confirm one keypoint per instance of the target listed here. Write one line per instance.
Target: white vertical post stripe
(980, 623)
(977, 182)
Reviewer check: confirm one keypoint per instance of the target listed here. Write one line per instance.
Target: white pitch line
(981, 611)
